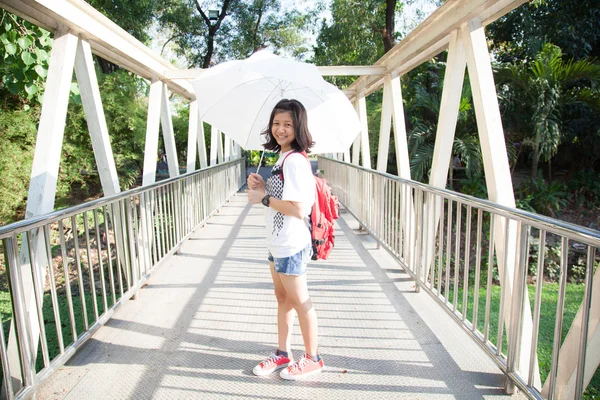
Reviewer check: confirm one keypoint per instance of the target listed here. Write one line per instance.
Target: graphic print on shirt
(274, 188)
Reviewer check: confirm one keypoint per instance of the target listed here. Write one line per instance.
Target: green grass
(50, 321)
(573, 299)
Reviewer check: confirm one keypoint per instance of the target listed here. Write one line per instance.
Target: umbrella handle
(260, 162)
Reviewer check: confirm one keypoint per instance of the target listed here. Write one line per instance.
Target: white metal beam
(385, 126)
(219, 147)
(152, 127)
(214, 139)
(497, 174)
(227, 149)
(449, 105)
(168, 134)
(364, 132)
(400, 136)
(201, 143)
(92, 105)
(44, 177)
(192, 136)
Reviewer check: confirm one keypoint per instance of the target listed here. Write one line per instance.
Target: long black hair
(303, 140)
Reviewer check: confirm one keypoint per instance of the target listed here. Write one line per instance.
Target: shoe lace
(305, 360)
(271, 360)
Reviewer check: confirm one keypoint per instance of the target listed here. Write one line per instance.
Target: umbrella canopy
(237, 98)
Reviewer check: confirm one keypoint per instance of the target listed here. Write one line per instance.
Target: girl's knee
(281, 296)
(301, 306)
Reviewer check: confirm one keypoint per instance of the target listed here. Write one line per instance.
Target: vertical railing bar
(38, 291)
(100, 263)
(107, 217)
(67, 280)
(537, 306)
(79, 272)
(162, 213)
(6, 374)
(457, 241)
(503, 290)
(564, 254)
(467, 268)
(146, 242)
(477, 269)
(168, 217)
(448, 250)
(397, 228)
(156, 224)
(488, 294)
(431, 221)
(130, 233)
(585, 321)
(135, 234)
(24, 341)
(419, 238)
(117, 233)
(127, 256)
(401, 221)
(519, 291)
(53, 294)
(441, 246)
(90, 265)
(425, 265)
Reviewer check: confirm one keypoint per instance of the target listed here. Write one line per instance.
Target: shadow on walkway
(208, 315)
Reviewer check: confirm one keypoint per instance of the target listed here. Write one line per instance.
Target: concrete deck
(208, 315)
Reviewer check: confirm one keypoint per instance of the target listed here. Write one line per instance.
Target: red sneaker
(273, 363)
(302, 368)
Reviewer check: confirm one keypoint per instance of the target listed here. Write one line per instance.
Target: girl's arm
(289, 208)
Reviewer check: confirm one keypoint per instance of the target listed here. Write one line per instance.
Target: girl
(289, 194)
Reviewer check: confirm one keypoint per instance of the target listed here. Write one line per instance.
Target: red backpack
(325, 210)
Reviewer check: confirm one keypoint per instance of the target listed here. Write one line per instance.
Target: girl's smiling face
(283, 130)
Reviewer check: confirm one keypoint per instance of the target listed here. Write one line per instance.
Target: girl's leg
(285, 313)
(297, 295)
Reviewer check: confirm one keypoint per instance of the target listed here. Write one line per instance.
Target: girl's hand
(256, 182)
(255, 196)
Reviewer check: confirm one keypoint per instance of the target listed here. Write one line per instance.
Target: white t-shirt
(286, 235)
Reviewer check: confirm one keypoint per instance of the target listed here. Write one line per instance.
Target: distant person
(289, 194)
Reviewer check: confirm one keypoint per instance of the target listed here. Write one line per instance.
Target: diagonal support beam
(96, 121)
(168, 134)
(44, 177)
(498, 178)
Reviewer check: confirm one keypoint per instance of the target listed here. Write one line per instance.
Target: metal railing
(458, 249)
(100, 254)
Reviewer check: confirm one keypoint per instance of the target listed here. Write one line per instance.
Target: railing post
(516, 315)
(20, 313)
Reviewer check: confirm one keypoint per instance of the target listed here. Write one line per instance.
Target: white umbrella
(237, 97)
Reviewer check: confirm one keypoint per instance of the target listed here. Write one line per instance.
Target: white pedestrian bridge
(164, 291)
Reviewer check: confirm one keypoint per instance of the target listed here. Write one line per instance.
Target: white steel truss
(457, 26)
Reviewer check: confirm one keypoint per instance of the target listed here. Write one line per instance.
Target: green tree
(574, 26)
(242, 27)
(25, 53)
(536, 97)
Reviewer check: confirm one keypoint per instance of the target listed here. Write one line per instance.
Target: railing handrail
(39, 220)
(585, 235)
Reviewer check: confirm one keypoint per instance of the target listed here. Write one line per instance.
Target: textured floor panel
(208, 315)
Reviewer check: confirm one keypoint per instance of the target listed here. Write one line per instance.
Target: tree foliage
(25, 52)
(243, 26)
(571, 25)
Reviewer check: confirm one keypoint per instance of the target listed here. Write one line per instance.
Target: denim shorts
(294, 264)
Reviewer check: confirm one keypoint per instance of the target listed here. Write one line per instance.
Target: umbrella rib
(258, 113)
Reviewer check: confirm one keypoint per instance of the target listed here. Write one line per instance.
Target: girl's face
(283, 130)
